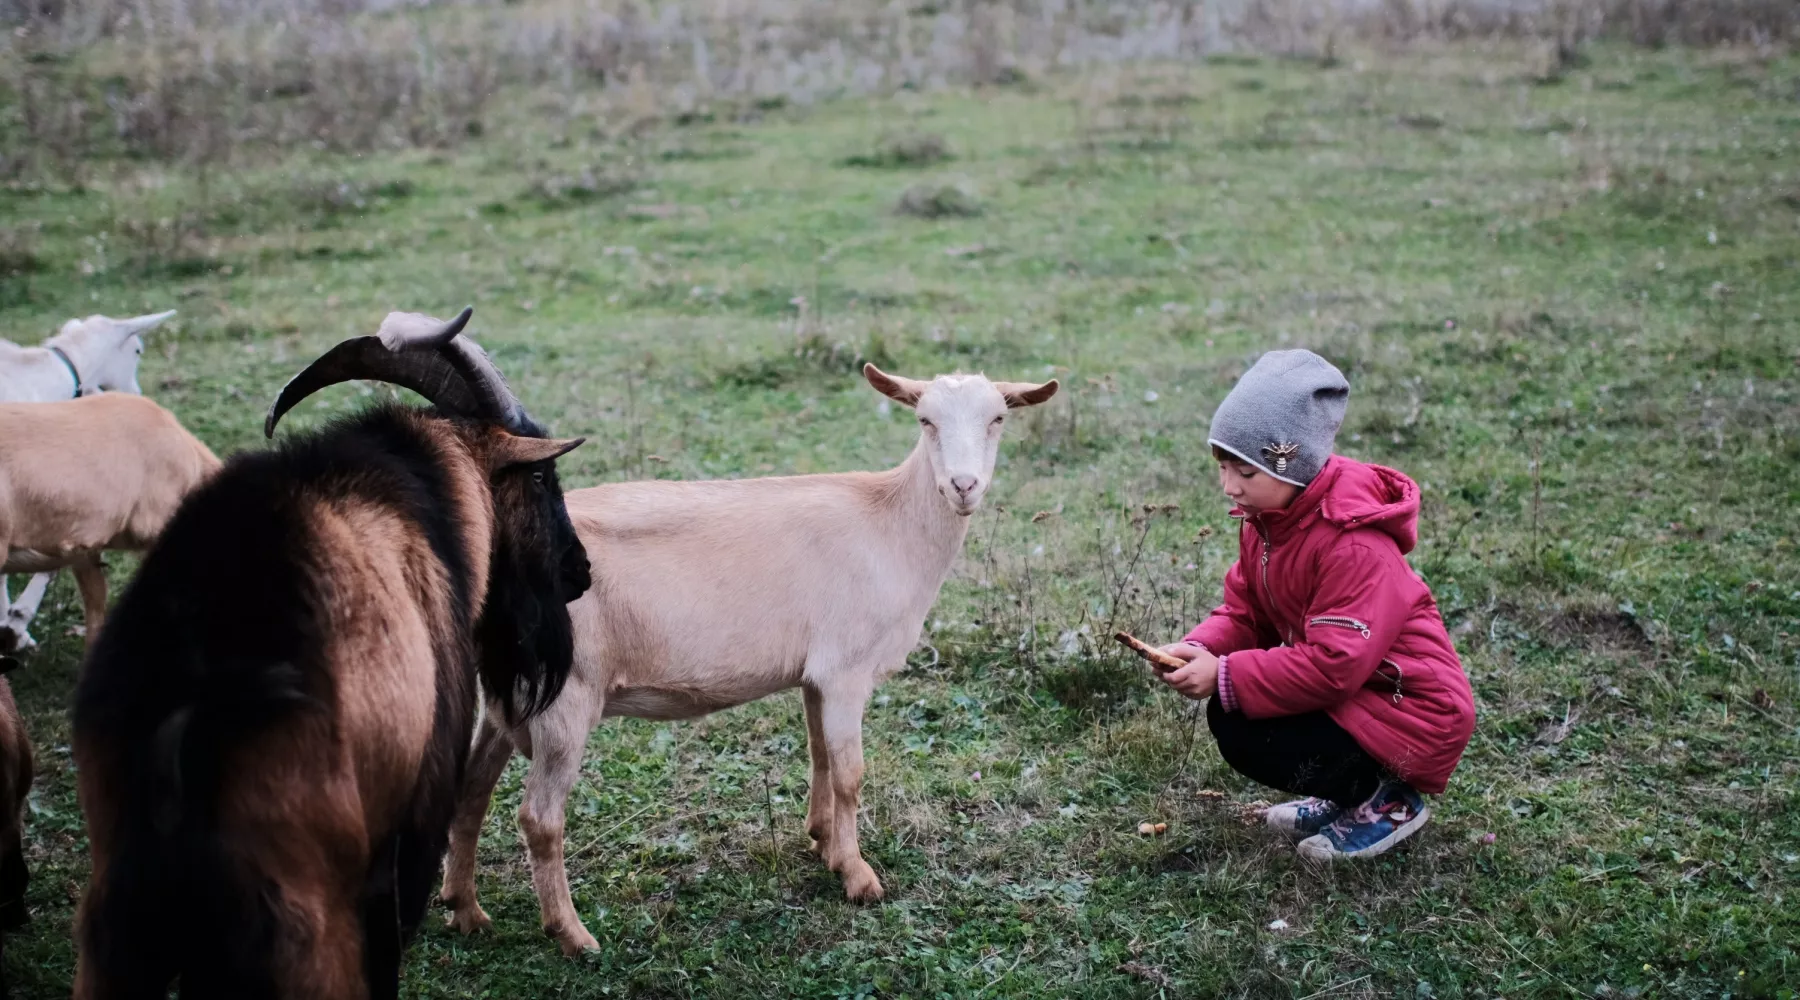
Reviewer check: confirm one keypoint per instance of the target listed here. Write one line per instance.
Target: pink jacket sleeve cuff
(1227, 695)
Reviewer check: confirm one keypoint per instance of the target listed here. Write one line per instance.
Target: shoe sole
(1381, 846)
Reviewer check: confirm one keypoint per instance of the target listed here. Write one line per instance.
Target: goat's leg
(12, 632)
(487, 762)
(90, 576)
(558, 738)
(31, 598)
(842, 724)
(332, 963)
(818, 808)
(13, 879)
(16, 616)
(383, 940)
(395, 899)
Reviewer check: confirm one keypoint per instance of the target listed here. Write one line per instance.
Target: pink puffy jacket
(1322, 612)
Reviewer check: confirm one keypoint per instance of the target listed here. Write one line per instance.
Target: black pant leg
(1302, 754)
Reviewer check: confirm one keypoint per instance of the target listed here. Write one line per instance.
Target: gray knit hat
(1283, 415)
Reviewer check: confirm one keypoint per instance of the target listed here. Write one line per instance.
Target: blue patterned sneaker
(1303, 817)
(1390, 816)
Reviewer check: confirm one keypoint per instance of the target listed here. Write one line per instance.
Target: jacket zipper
(1398, 676)
(1286, 640)
(1336, 622)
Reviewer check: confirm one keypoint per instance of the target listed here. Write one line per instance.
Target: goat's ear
(138, 324)
(511, 449)
(898, 388)
(1026, 393)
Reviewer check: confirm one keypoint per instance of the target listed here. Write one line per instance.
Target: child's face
(1252, 489)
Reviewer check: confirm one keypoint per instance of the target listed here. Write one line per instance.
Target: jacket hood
(1352, 494)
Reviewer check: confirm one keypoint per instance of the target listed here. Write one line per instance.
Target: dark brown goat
(272, 729)
(15, 784)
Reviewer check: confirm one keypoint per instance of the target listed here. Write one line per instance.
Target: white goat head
(961, 417)
(105, 350)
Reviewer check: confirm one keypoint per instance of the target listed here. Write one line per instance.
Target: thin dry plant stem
(1187, 756)
(769, 814)
(609, 831)
(1537, 498)
(1130, 571)
(1333, 988)
(1527, 959)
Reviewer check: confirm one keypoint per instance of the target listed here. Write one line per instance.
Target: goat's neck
(922, 514)
(75, 347)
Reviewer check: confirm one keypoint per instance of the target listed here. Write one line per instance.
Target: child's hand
(1182, 650)
(1199, 679)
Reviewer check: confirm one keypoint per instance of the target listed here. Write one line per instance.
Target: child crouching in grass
(1329, 669)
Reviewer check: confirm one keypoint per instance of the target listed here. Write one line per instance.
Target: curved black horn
(426, 355)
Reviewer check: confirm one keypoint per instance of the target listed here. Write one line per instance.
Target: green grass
(1569, 311)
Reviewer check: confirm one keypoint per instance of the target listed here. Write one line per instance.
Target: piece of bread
(1158, 659)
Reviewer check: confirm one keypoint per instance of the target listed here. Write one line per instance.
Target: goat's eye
(998, 421)
(925, 423)
(538, 477)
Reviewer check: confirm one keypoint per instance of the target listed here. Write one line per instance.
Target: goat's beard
(524, 639)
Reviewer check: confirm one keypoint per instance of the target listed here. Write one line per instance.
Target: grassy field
(1568, 309)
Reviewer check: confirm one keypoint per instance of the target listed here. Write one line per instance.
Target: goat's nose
(963, 484)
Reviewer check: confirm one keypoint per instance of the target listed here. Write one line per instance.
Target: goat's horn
(426, 355)
(403, 331)
(413, 331)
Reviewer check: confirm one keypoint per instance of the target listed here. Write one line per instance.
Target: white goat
(85, 475)
(821, 582)
(97, 354)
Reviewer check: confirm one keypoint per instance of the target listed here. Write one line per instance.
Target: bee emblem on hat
(1281, 452)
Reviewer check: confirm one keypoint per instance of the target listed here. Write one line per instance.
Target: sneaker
(1391, 815)
(1303, 817)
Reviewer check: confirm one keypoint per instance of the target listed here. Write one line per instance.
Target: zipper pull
(1360, 628)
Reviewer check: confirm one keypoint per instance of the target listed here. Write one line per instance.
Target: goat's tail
(177, 898)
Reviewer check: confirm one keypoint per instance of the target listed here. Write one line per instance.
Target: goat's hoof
(468, 918)
(860, 883)
(573, 942)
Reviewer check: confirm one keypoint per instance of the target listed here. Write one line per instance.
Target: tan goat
(711, 594)
(81, 476)
(97, 354)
